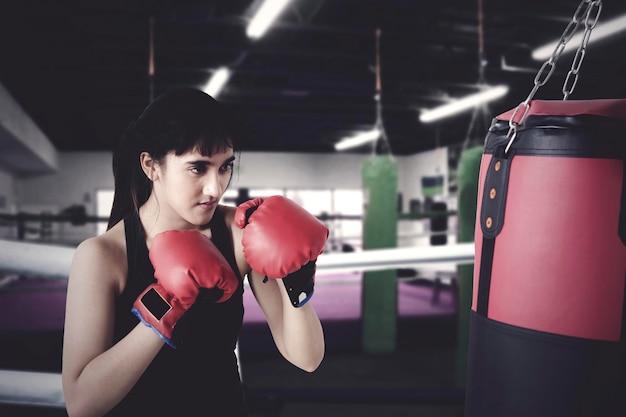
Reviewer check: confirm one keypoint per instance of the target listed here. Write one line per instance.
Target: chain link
(584, 10)
(590, 23)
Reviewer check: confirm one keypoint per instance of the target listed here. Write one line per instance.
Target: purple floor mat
(39, 304)
(338, 298)
(36, 306)
(32, 304)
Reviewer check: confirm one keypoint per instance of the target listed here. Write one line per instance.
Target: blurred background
(73, 74)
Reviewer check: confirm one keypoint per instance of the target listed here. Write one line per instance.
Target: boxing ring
(50, 264)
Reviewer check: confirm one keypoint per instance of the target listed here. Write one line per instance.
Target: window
(104, 202)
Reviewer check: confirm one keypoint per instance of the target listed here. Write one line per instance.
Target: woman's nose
(211, 185)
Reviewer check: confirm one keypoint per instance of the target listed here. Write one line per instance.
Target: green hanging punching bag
(467, 177)
(380, 230)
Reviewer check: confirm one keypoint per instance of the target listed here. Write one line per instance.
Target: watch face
(155, 304)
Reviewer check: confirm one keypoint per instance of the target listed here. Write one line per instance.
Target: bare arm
(297, 332)
(96, 374)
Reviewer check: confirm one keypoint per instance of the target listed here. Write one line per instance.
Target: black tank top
(201, 376)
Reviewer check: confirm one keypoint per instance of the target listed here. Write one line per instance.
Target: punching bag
(547, 323)
(380, 230)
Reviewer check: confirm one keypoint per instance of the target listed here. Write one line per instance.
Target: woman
(171, 170)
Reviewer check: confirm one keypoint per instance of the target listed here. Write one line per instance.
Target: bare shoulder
(110, 245)
(229, 218)
(229, 213)
(237, 234)
(102, 257)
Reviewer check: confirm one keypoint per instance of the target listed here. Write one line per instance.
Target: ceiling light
(601, 31)
(264, 17)
(358, 139)
(217, 81)
(462, 104)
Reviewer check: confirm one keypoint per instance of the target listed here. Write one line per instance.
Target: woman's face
(191, 185)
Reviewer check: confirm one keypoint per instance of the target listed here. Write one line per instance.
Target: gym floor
(418, 378)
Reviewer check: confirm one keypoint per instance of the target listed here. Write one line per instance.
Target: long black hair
(179, 121)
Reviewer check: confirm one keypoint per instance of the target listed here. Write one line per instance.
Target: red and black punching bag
(547, 329)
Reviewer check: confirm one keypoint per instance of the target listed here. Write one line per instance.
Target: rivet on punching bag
(547, 327)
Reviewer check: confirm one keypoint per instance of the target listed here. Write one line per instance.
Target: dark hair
(179, 121)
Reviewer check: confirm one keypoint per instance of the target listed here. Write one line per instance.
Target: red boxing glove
(282, 240)
(185, 262)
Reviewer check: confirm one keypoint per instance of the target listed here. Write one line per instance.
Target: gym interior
(475, 264)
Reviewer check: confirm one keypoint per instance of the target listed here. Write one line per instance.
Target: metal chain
(590, 23)
(584, 10)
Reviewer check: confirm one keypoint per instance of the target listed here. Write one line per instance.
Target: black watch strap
(299, 284)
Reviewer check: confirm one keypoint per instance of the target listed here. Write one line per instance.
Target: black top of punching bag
(575, 128)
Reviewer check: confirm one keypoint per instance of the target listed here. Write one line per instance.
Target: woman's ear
(148, 165)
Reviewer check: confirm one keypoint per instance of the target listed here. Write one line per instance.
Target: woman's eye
(227, 167)
(198, 169)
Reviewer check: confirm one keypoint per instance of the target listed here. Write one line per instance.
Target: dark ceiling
(80, 68)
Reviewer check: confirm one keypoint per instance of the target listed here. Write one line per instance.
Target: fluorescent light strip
(462, 104)
(602, 30)
(358, 139)
(217, 82)
(264, 17)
